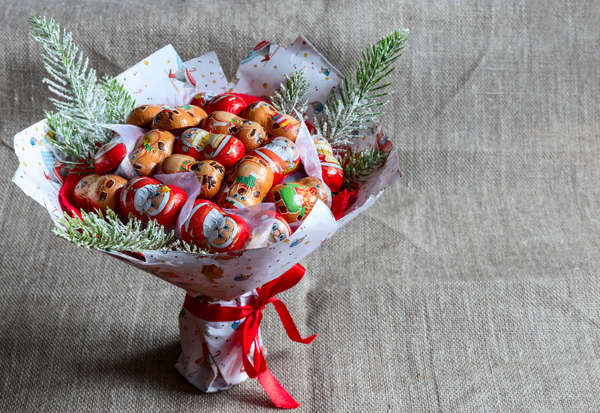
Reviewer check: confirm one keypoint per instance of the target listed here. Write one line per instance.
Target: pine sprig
(358, 167)
(288, 98)
(352, 107)
(82, 101)
(105, 232)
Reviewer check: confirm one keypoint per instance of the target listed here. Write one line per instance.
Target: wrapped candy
(333, 174)
(283, 125)
(222, 122)
(280, 229)
(147, 199)
(252, 134)
(276, 124)
(247, 183)
(226, 103)
(210, 173)
(295, 200)
(282, 156)
(142, 116)
(98, 192)
(202, 145)
(208, 226)
(197, 113)
(109, 156)
(174, 120)
(175, 164)
(152, 148)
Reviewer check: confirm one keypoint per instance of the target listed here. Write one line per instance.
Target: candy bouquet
(217, 187)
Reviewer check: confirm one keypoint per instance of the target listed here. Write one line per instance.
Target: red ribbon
(253, 314)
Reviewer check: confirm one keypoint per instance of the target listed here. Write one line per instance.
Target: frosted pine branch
(358, 167)
(288, 98)
(355, 103)
(82, 102)
(105, 232)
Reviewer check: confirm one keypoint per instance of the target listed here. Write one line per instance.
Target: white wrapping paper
(163, 78)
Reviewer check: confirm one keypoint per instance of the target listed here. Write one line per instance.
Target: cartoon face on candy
(282, 156)
(247, 184)
(261, 112)
(174, 120)
(152, 148)
(98, 192)
(148, 199)
(286, 150)
(200, 144)
(279, 229)
(211, 175)
(252, 134)
(176, 164)
(142, 116)
(295, 200)
(222, 122)
(284, 125)
(207, 226)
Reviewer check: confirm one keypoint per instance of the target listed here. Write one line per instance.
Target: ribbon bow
(253, 314)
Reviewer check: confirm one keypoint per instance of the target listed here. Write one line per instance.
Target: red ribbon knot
(253, 315)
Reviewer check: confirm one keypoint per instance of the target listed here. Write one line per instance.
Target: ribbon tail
(278, 395)
(288, 323)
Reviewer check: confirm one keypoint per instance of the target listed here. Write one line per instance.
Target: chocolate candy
(202, 145)
(279, 230)
(295, 200)
(282, 155)
(283, 125)
(174, 120)
(152, 148)
(247, 183)
(175, 164)
(252, 134)
(109, 156)
(226, 103)
(196, 112)
(261, 112)
(142, 116)
(222, 122)
(98, 192)
(148, 199)
(209, 227)
(211, 175)
(333, 174)
(276, 124)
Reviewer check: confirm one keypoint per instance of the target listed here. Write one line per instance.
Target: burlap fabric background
(471, 286)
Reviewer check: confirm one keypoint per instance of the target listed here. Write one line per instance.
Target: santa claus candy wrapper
(110, 156)
(201, 144)
(226, 103)
(146, 198)
(209, 227)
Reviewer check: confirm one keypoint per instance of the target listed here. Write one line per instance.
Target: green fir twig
(357, 102)
(82, 101)
(289, 97)
(105, 232)
(358, 167)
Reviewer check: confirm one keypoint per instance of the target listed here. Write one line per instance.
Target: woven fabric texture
(470, 286)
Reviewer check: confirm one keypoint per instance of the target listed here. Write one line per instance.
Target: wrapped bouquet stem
(221, 341)
(219, 188)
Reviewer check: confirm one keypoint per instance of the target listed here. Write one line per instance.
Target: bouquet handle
(222, 344)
